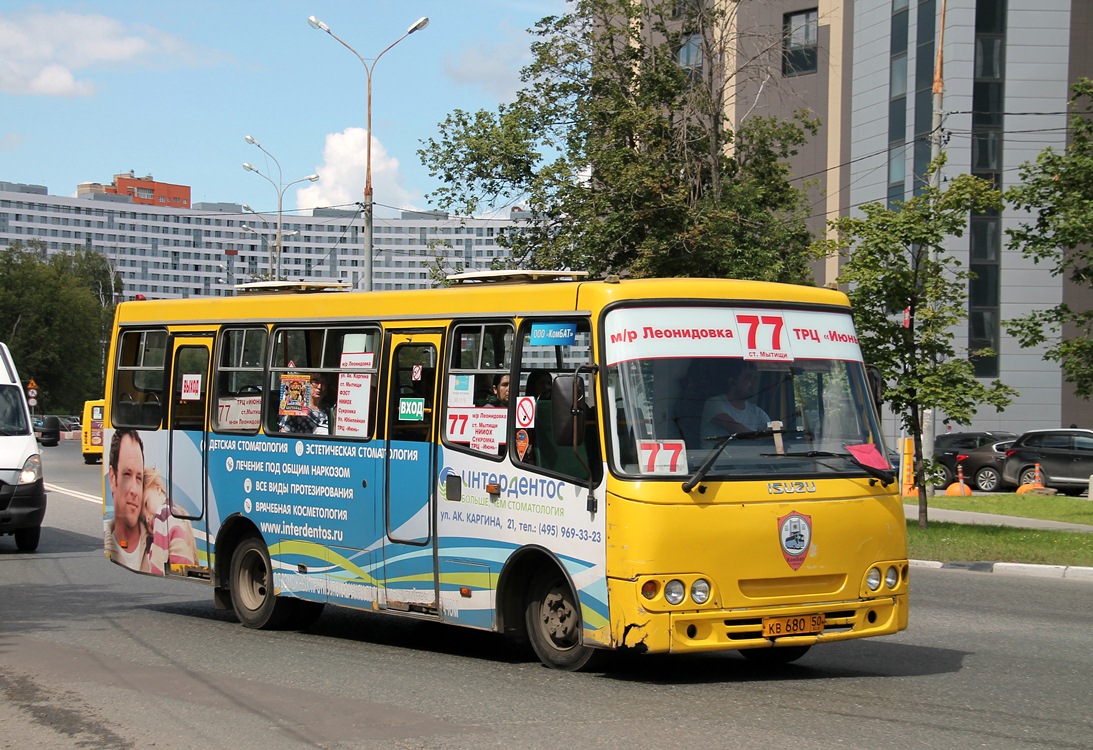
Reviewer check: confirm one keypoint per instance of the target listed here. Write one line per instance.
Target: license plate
(773, 627)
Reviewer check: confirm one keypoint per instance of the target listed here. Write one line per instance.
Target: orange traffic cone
(958, 487)
(1037, 482)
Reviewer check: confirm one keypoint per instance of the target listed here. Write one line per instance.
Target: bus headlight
(700, 591)
(891, 577)
(674, 591)
(872, 579)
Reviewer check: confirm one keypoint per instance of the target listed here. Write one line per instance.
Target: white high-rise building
(207, 249)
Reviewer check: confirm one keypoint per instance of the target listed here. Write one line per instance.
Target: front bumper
(22, 506)
(693, 631)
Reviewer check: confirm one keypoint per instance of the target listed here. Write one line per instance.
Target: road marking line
(74, 493)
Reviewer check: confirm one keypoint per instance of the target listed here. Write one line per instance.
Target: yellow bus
(657, 465)
(91, 426)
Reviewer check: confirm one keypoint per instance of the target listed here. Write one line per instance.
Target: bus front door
(410, 473)
(187, 422)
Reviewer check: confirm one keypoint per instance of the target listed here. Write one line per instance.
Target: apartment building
(205, 250)
(143, 190)
(866, 69)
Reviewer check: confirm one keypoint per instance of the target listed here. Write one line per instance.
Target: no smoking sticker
(525, 411)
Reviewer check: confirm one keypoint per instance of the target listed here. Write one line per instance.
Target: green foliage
(624, 159)
(895, 262)
(1058, 191)
(54, 314)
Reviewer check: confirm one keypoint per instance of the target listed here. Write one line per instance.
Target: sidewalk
(987, 519)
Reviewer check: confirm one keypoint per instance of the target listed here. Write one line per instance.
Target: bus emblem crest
(795, 537)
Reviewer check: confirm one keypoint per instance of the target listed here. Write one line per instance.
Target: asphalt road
(95, 656)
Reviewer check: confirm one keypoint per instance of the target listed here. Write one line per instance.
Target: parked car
(950, 444)
(1065, 457)
(983, 466)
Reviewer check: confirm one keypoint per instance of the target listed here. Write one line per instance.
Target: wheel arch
(234, 530)
(513, 585)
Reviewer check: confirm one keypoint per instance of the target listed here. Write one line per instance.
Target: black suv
(950, 444)
(1065, 458)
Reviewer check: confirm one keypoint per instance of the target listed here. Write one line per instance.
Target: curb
(1073, 572)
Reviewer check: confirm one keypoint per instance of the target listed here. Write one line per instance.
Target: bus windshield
(762, 394)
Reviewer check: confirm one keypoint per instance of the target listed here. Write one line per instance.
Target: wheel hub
(559, 619)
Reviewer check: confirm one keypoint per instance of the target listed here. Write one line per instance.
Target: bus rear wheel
(552, 616)
(253, 596)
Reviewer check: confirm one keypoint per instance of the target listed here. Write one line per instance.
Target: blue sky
(93, 89)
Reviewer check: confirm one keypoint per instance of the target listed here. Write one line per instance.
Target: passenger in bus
(500, 391)
(170, 539)
(733, 411)
(317, 419)
(538, 384)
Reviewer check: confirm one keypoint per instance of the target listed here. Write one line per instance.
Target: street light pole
(281, 188)
(418, 25)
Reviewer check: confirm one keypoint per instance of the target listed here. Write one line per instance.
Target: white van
(22, 489)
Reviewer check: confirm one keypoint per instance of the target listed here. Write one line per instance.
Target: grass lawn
(956, 542)
(959, 542)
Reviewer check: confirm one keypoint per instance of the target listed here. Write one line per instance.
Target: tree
(623, 157)
(55, 314)
(1058, 191)
(908, 295)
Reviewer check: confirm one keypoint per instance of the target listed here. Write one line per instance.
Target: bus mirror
(568, 410)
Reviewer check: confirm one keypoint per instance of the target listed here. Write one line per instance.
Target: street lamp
(418, 25)
(280, 187)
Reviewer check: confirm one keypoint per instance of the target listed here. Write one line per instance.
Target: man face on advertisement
(126, 479)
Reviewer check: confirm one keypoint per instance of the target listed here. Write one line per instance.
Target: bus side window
(239, 374)
(296, 353)
(139, 378)
(550, 349)
(476, 395)
(349, 356)
(343, 360)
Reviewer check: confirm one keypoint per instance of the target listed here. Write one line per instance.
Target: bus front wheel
(253, 596)
(552, 616)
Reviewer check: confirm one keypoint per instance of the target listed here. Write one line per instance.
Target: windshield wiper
(886, 476)
(724, 440)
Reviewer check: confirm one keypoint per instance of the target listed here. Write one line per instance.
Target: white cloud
(494, 68)
(494, 65)
(342, 175)
(54, 53)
